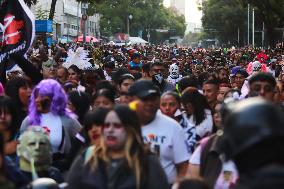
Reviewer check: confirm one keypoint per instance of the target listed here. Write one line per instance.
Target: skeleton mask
(256, 66)
(174, 71)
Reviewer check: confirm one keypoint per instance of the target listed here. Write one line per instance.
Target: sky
(193, 14)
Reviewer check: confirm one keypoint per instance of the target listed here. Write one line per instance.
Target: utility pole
(129, 17)
(84, 7)
(253, 27)
(68, 27)
(248, 23)
(262, 36)
(78, 4)
(127, 25)
(238, 36)
(148, 35)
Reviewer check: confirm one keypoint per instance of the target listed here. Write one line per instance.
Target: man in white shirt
(164, 135)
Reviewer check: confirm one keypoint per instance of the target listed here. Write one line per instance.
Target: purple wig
(55, 92)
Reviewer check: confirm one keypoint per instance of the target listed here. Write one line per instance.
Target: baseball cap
(234, 70)
(143, 89)
(242, 72)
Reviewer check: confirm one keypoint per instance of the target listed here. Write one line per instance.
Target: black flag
(17, 28)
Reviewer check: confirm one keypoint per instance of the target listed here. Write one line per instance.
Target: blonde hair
(133, 157)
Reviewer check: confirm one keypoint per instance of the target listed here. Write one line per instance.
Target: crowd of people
(100, 116)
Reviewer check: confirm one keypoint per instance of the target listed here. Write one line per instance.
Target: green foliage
(147, 14)
(41, 14)
(222, 18)
(271, 13)
(193, 38)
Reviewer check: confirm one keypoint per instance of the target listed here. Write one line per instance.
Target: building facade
(67, 22)
(193, 16)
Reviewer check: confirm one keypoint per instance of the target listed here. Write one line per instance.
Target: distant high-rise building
(193, 15)
(178, 5)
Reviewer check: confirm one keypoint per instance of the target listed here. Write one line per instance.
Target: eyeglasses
(115, 125)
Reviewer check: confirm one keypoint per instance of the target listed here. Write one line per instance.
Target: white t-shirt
(228, 176)
(205, 127)
(166, 138)
(54, 124)
(189, 131)
(245, 89)
(174, 81)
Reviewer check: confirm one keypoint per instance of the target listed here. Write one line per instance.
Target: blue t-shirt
(134, 65)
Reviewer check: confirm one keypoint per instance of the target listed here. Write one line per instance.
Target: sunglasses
(115, 125)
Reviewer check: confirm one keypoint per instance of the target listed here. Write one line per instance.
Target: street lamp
(109, 28)
(129, 17)
(84, 7)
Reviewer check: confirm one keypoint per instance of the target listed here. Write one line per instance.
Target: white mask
(256, 66)
(174, 71)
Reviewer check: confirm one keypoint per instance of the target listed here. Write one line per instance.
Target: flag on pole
(17, 28)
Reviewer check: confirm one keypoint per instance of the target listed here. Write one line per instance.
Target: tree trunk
(52, 9)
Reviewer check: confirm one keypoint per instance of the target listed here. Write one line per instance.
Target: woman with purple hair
(47, 108)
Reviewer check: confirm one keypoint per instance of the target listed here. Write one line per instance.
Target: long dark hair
(105, 93)
(12, 90)
(2, 166)
(76, 70)
(7, 105)
(135, 151)
(96, 117)
(81, 101)
(198, 102)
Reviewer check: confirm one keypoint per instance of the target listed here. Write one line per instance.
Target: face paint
(114, 132)
(94, 134)
(34, 144)
(43, 104)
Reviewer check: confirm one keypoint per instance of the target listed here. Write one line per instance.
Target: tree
(147, 15)
(192, 38)
(271, 13)
(41, 14)
(222, 19)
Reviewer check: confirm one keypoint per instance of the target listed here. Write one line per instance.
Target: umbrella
(88, 39)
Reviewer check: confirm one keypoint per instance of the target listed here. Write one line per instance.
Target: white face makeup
(114, 132)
